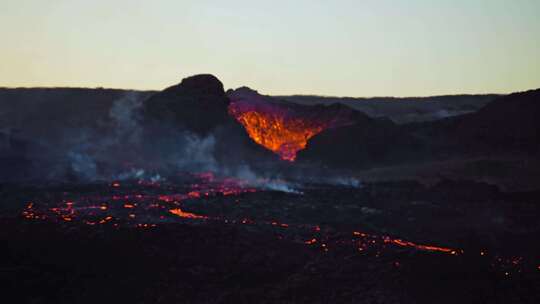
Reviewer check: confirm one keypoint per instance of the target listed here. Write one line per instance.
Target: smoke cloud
(118, 145)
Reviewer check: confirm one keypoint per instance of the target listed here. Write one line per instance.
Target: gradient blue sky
(341, 47)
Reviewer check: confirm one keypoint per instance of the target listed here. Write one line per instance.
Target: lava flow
(145, 205)
(135, 203)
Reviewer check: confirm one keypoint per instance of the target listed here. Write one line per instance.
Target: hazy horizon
(344, 48)
(263, 93)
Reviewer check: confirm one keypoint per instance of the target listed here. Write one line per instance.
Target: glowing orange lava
(184, 214)
(403, 243)
(276, 131)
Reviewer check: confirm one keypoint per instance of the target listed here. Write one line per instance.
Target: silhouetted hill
(506, 126)
(509, 123)
(45, 112)
(198, 104)
(75, 125)
(403, 109)
(365, 144)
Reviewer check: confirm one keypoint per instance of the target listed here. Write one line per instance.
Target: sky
(338, 48)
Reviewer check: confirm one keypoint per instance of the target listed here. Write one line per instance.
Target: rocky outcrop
(367, 143)
(198, 104)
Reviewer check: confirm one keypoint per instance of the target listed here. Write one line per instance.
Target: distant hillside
(508, 125)
(78, 132)
(35, 112)
(20, 104)
(404, 110)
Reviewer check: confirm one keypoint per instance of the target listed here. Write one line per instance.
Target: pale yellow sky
(340, 48)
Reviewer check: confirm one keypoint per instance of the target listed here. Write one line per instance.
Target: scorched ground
(206, 239)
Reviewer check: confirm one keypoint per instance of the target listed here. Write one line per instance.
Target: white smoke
(124, 114)
(280, 185)
(246, 174)
(346, 181)
(83, 165)
(118, 151)
(87, 148)
(130, 174)
(197, 154)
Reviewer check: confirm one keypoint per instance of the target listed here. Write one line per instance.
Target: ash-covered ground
(206, 239)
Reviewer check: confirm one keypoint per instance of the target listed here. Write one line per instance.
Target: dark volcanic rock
(13, 158)
(366, 143)
(465, 191)
(508, 123)
(197, 104)
(404, 109)
(506, 126)
(45, 113)
(203, 84)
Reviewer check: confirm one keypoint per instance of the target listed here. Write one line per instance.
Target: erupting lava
(277, 132)
(282, 127)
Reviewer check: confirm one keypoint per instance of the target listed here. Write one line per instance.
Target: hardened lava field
(218, 237)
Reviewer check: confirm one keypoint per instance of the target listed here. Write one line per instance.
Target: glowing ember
(136, 202)
(312, 241)
(183, 214)
(403, 243)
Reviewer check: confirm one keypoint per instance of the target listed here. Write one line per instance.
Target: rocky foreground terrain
(381, 243)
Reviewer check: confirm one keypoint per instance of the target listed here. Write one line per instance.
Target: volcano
(197, 195)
